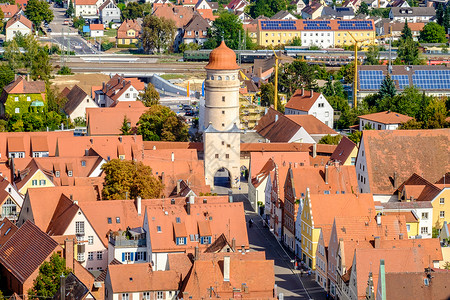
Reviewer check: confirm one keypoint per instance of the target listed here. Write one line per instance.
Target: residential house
(331, 179)
(139, 281)
(9, 10)
(17, 23)
(312, 103)
(87, 8)
(129, 32)
(230, 275)
(430, 284)
(322, 253)
(196, 31)
(73, 286)
(299, 6)
(203, 4)
(399, 3)
(22, 4)
(314, 217)
(412, 14)
(246, 19)
(118, 89)
(418, 189)
(395, 28)
(109, 12)
(385, 120)
(277, 128)
(341, 13)
(312, 11)
(237, 5)
(96, 30)
(380, 164)
(377, 3)
(283, 15)
(128, 246)
(10, 200)
(345, 152)
(21, 96)
(77, 103)
(348, 234)
(22, 254)
(189, 3)
(420, 213)
(109, 120)
(352, 3)
(181, 15)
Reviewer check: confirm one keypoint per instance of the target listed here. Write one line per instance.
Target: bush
(127, 46)
(65, 70)
(107, 45)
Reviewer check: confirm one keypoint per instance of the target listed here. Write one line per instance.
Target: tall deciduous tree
(160, 123)
(150, 96)
(433, 33)
(6, 75)
(295, 75)
(38, 11)
(440, 14)
(47, 282)
(227, 27)
(268, 95)
(132, 11)
(129, 179)
(268, 7)
(158, 33)
(408, 52)
(373, 55)
(363, 9)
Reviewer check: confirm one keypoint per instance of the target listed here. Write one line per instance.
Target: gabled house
(109, 12)
(96, 30)
(310, 103)
(312, 11)
(10, 200)
(21, 96)
(237, 5)
(385, 120)
(129, 32)
(396, 28)
(17, 23)
(8, 228)
(352, 3)
(203, 4)
(77, 103)
(412, 14)
(341, 13)
(299, 6)
(345, 153)
(118, 89)
(283, 15)
(9, 10)
(87, 8)
(196, 31)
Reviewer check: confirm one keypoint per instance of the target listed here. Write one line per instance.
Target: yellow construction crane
(275, 100)
(355, 79)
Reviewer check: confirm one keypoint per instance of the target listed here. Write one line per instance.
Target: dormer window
(205, 240)
(57, 174)
(181, 241)
(70, 173)
(83, 163)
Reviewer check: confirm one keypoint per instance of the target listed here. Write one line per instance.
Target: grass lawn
(172, 76)
(110, 32)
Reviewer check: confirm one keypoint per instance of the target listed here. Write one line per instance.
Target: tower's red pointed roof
(222, 58)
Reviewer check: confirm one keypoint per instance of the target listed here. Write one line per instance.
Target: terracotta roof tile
(432, 247)
(343, 150)
(386, 117)
(277, 127)
(181, 15)
(96, 27)
(389, 151)
(409, 216)
(127, 25)
(311, 124)
(302, 100)
(26, 250)
(19, 18)
(9, 10)
(74, 98)
(7, 229)
(222, 58)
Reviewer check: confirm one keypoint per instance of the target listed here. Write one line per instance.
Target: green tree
(47, 282)
(70, 10)
(127, 179)
(132, 11)
(446, 19)
(126, 126)
(330, 140)
(2, 16)
(433, 33)
(387, 88)
(160, 123)
(435, 114)
(12, 54)
(408, 52)
(440, 14)
(38, 11)
(55, 102)
(227, 27)
(268, 95)
(150, 96)
(373, 55)
(406, 32)
(78, 22)
(53, 120)
(363, 9)
(296, 75)
(268, 7)
(355, 137)
(296, 41)
(32, 122)
(6, 75)
(158, 33)
(186, 47)
(411, 124)
(41, 66)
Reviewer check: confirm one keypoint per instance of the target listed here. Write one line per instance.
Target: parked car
(49, 29)
(66, 22)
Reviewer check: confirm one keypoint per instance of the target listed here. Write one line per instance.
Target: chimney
(378, 219)
(377, 242)
(314, 150)
(303, 91)
(233, 244)
(188, 208)
(139, 205)
(230, 197)
(91, 140)
(312, 93)
(13, 171)
(68, 253)
(71, 197)
(103, 86)
(28, 77)
(62, 283)
(395, 179)
(120, 139)
(178, 186)
(326, 174)
(173, 156)
(196, 252)
(226, 268)
(276, 118)
(191, 199)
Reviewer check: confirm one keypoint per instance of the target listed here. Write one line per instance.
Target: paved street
(260, 238)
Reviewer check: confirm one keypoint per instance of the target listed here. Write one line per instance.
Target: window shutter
(123, 256)
(131, 256)
(145, 256)
(135, 256)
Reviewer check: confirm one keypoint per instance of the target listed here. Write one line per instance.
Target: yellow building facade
(38, 179)
(342, 38)
(441, 208)
(310, 236)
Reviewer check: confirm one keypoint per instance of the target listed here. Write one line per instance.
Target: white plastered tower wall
(221, 137)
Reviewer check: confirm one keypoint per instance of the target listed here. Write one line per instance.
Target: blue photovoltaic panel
(278, 25)
(432, 79)
(370, 80)
(355, 25)
(317, 25)
(403, 80)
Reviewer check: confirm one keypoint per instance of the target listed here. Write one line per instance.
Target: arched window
(212, 77)
(234, 77)
(219, 77)
(228, 78)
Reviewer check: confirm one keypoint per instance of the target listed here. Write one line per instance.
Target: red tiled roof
(85, 2)
(127, 25)
(9, 10)
(22, 86)
(311, 124)
(343, 150)
(181, 15)
(7, 229)
(96, 27)
(302, 100)
(26, 250)
(19, 18)
(386, 117)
